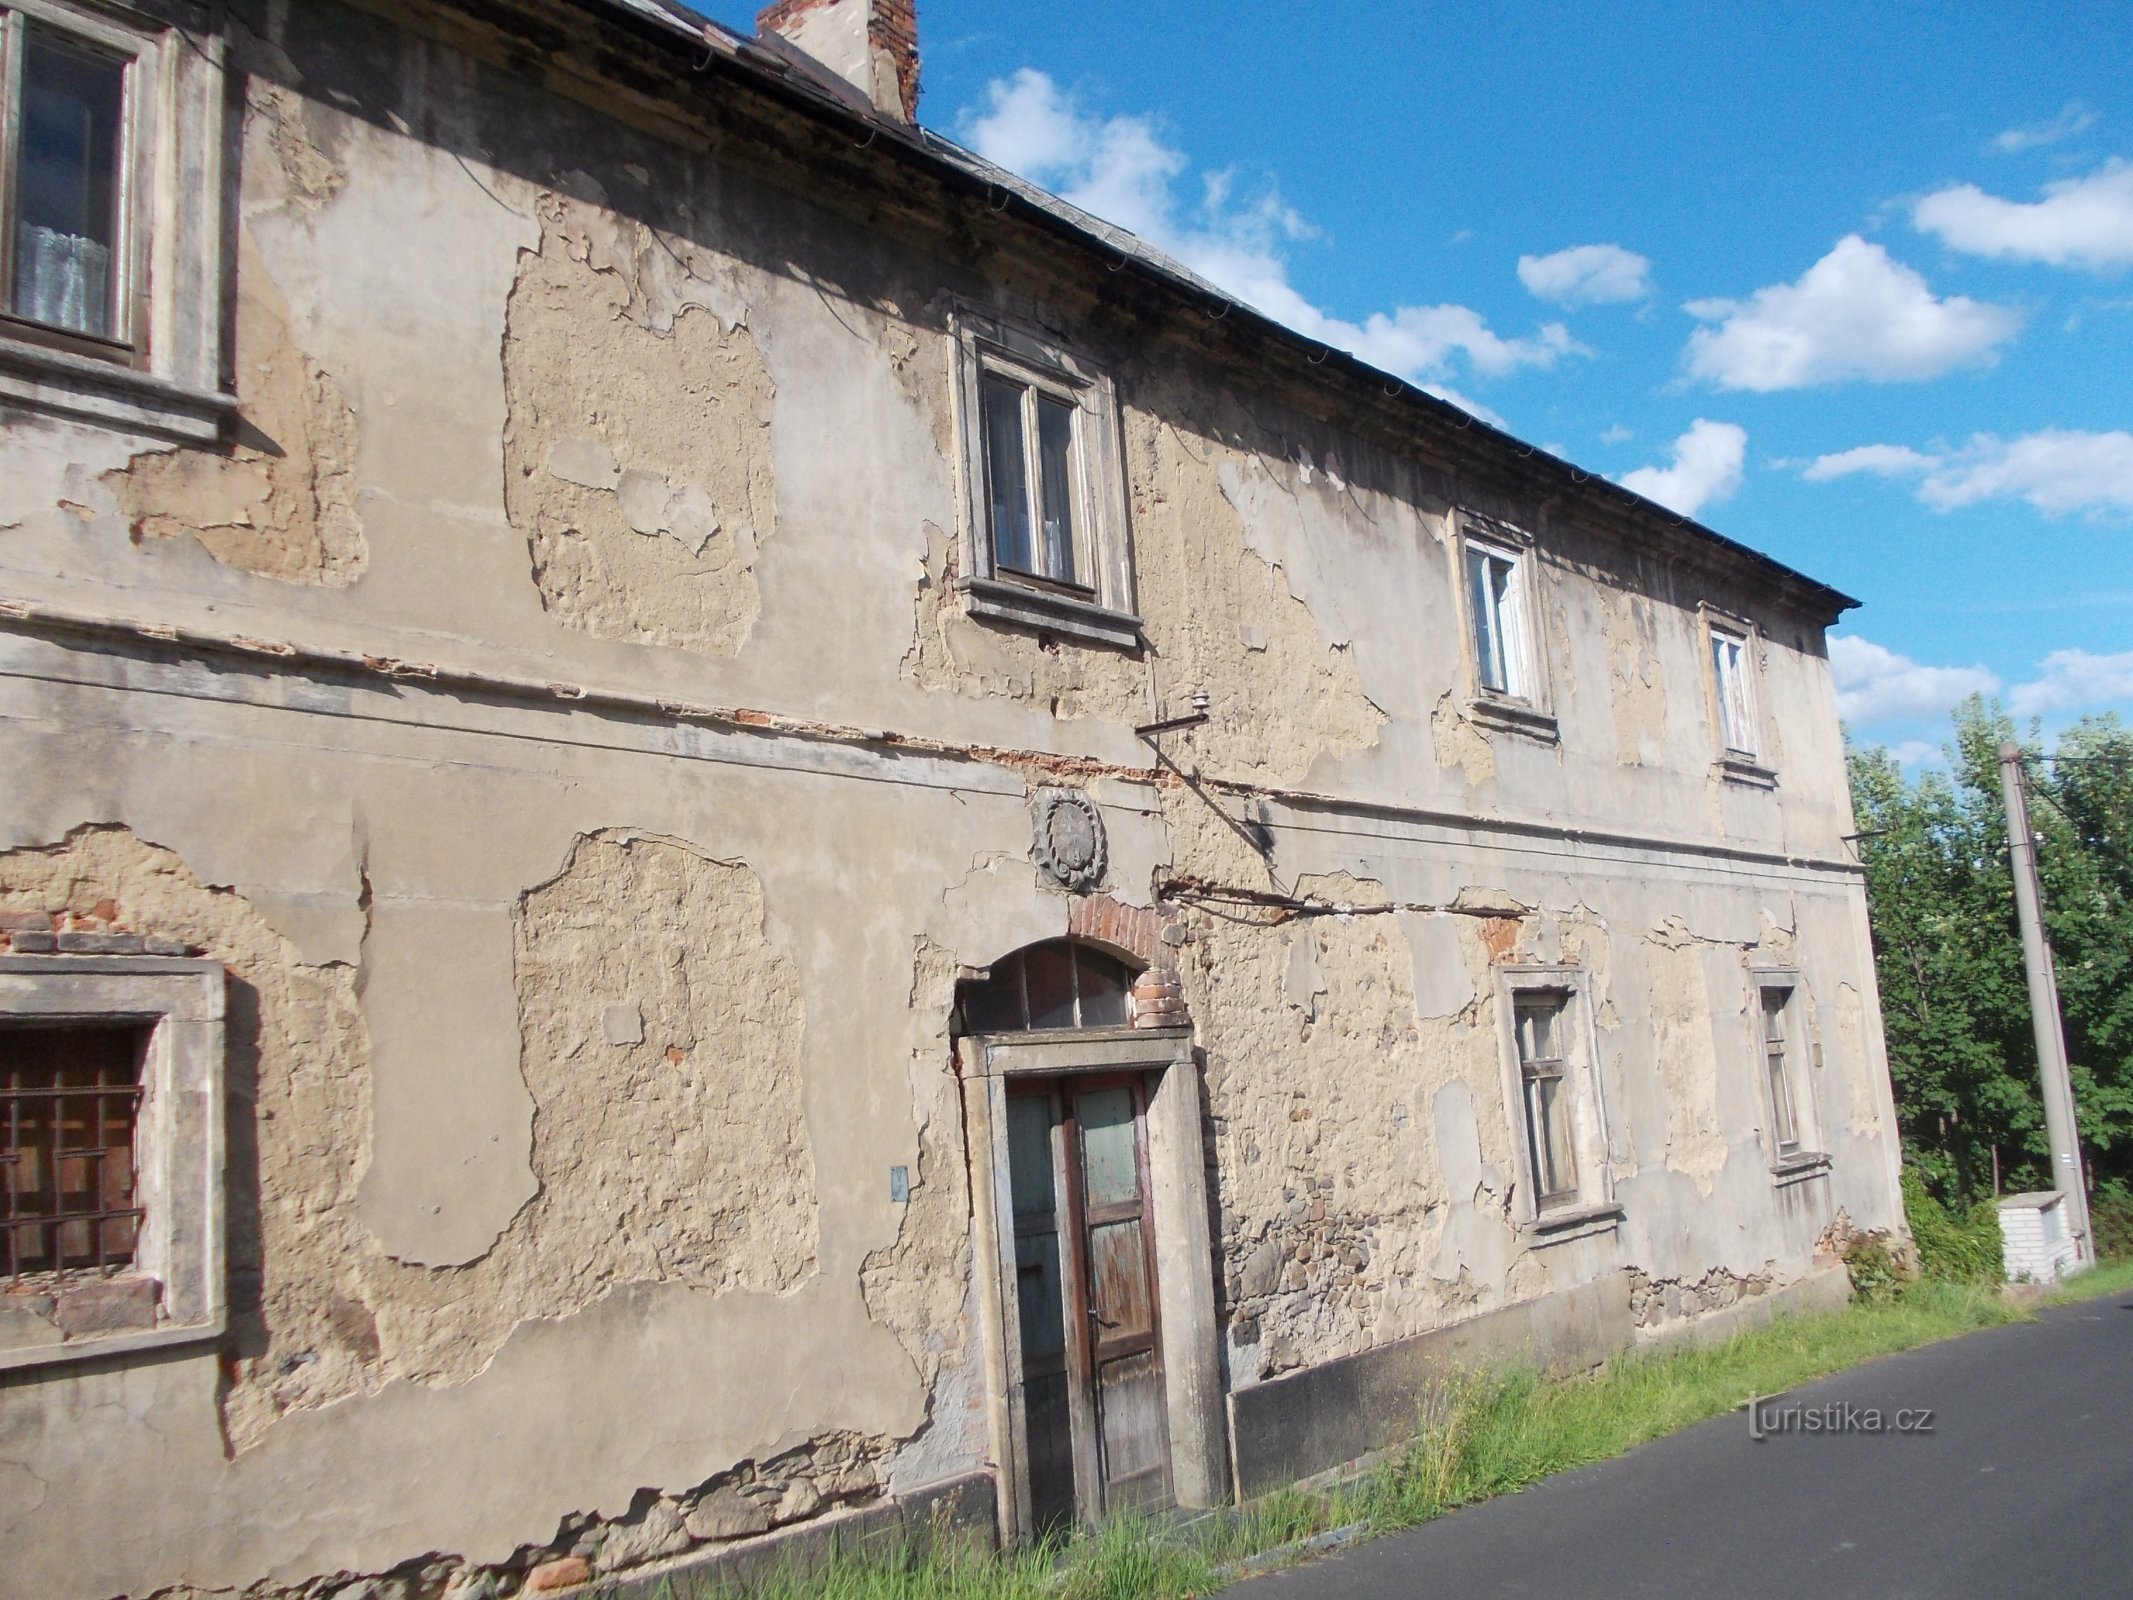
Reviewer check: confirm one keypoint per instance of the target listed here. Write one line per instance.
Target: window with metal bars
(70, 1100)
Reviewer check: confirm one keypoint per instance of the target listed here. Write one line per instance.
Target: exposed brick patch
(1135, 930)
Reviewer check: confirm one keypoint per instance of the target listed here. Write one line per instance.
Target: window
(1777, 1071)
(1044, 488)
(1566, 1182)
(1549, 1135)
(1785, 1055)
(1496, 577)
(111, 198)
(111, 1121)
(1053, 985)
(1496, 612)
(70, 99)
(69, 1099)
(1729, 679)
(1033, 481)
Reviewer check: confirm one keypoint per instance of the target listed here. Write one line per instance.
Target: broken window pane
(1729, 669)
(67, 188)
(1006, 474)
(1055, 450)
(1492, 603)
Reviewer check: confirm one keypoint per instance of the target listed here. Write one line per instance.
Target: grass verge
(1491, 1434)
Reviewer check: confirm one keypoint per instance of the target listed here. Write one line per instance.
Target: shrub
(1874, 1270)
(1953, 1246)
(2111, 1216)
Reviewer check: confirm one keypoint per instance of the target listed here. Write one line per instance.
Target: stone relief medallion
(1070, 838)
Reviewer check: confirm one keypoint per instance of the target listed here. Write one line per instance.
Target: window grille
(70, 1098)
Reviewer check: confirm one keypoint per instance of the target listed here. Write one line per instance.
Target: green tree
(1949, 956)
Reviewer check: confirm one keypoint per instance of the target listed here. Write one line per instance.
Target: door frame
(1184, 1252)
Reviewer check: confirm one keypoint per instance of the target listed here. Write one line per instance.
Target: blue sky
(1853, 285)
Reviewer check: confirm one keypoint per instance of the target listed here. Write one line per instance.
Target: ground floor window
(70, 1098)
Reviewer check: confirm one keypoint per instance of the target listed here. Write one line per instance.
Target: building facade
(714, 824)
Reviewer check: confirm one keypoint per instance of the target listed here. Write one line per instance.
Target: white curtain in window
(62, 280)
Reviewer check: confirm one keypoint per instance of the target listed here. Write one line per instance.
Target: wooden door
(1092, 1400)
(1116, 1262)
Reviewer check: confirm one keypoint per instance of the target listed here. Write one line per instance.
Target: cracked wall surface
(1345, 1220)
(671, 430)
(636, 455)
(281, 500)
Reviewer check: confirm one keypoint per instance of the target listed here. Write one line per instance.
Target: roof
(791, 74)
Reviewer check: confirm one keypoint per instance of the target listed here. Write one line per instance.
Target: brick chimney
(871, 44)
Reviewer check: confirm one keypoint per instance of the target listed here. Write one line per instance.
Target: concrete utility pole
(2044, 1002)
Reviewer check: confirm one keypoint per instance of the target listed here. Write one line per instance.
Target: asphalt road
(2024, 1486)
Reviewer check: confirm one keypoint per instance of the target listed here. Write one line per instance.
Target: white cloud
(2081, 222)
(1617, 434)
(1587, 275)
(1121, 169)
(1853, 314)
(2073, 678)
(1883, 460)
(2073, 118)
(1706, 469)
(1875, 684)
(2057, 470)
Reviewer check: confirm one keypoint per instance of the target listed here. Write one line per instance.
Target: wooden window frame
(1802, 1156)
(161, 372)
(1740, 751)
(1097, 606)
(1590, 1207)
(1524, 705)
(105, 34)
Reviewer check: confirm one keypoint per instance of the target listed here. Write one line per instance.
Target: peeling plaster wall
(637, 453)
(575, 1036)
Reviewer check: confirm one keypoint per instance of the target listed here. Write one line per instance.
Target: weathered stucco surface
(637, 455)
(578, 1026)
(281, 501)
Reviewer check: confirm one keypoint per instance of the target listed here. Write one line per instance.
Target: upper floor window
(1730, 681)
(70, 106)
(1044, 487)
(1495, 564)
(112, 212)
(1734, 647)
(1033, 480)
(1496, 611)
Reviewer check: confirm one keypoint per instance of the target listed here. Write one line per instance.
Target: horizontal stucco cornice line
(1029, 768)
